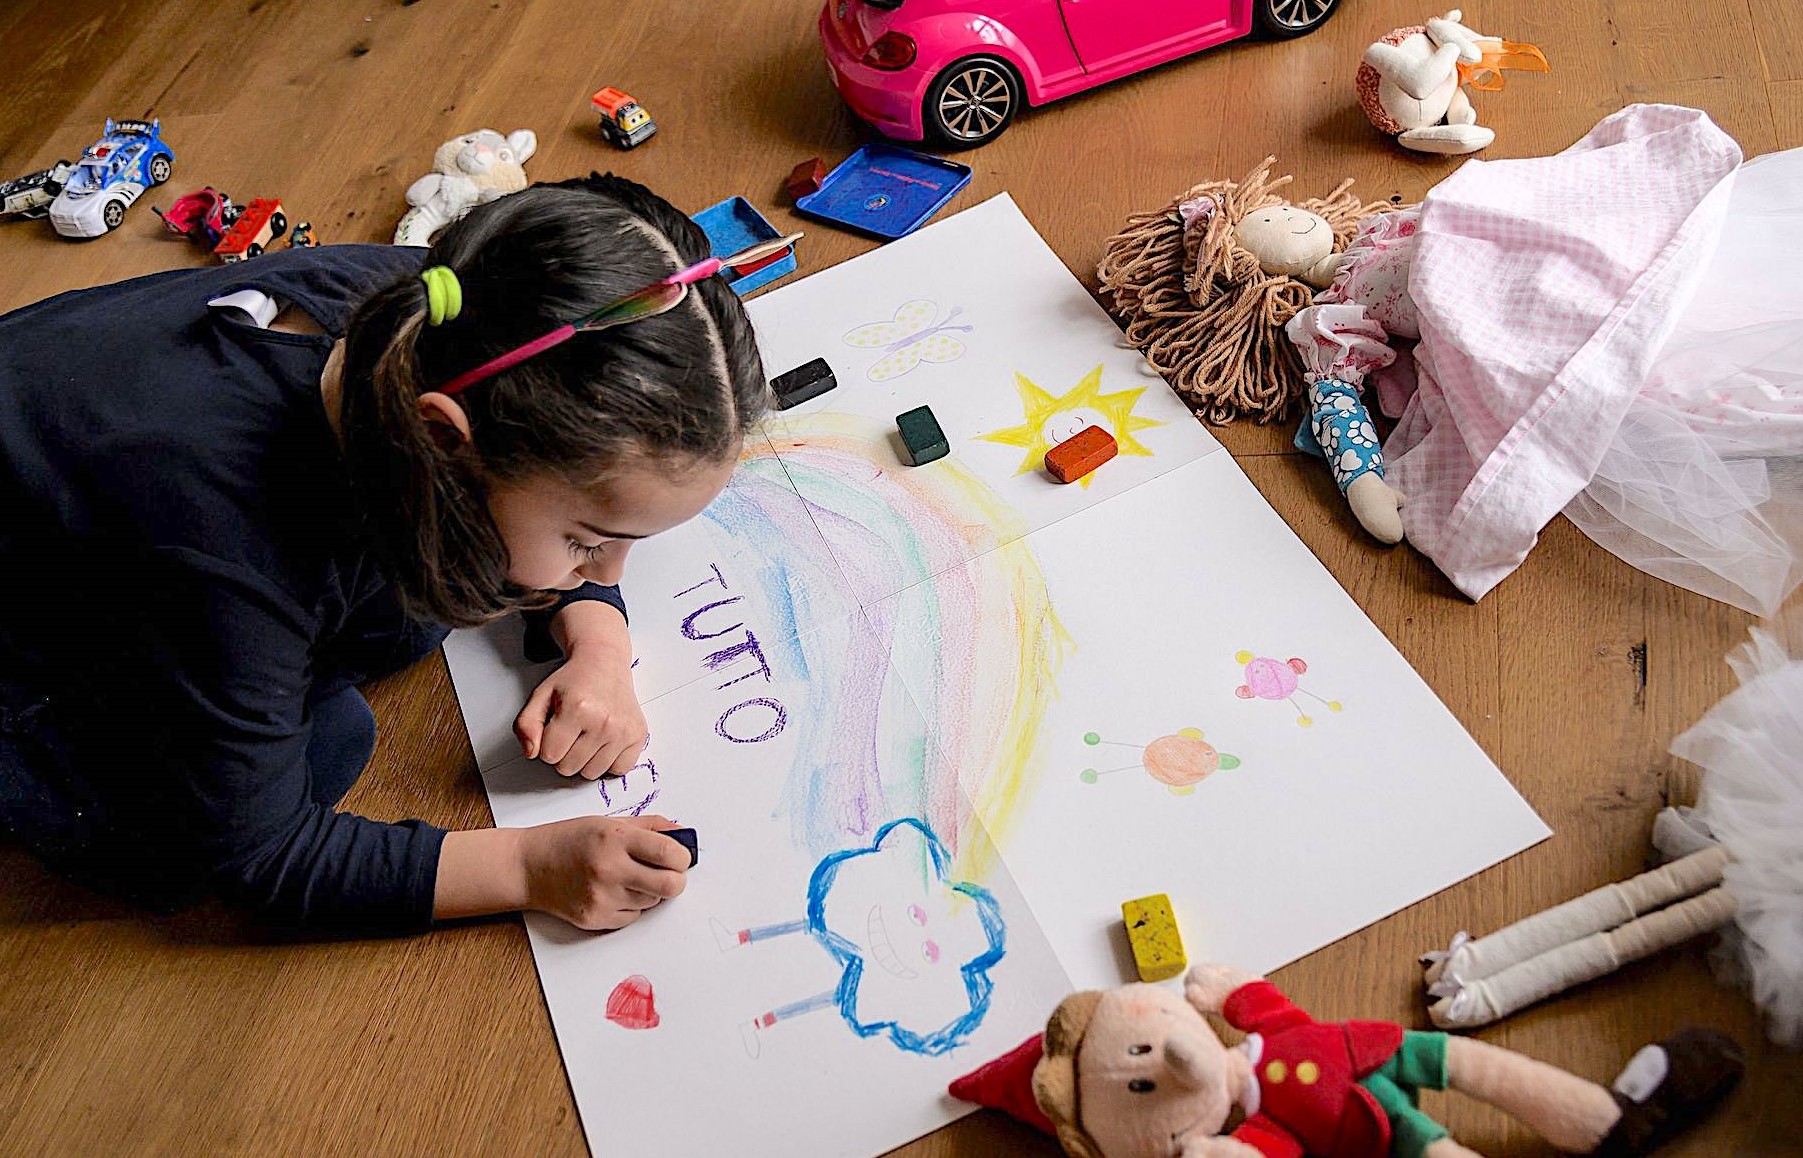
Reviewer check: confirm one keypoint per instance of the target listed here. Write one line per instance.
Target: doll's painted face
(1285, 239)
(1150, 1073)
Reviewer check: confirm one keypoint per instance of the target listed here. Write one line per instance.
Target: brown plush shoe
(1669, 1087)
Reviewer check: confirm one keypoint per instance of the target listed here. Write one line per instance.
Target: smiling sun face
(1050, 420)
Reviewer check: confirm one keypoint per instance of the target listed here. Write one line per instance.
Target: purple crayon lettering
(718, 578)
(688, 625)
(727, 655)
(635, 809)
(779, 719)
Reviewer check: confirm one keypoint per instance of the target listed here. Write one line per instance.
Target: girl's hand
(585, 717)
(599, 872)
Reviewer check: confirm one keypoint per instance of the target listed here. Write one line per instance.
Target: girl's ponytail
(423, 501)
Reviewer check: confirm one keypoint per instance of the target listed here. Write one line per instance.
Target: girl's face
(559, 536)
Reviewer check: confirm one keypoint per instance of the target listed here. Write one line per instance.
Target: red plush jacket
(1307, 1072)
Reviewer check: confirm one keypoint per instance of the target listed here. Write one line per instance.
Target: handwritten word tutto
(752, 720)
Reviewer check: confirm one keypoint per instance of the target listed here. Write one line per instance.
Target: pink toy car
(936, 69)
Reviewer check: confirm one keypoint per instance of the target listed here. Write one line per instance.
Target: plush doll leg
(1420, 1063)
(1472, 1003)
(1571, 1113)
(1666, 1088)
(1448, 140)
(1459, 110)
(1342, 428)
(1595, 911)
(1339, 345)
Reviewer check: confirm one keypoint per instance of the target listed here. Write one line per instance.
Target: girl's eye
(586, 551)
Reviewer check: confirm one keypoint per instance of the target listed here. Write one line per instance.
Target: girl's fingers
(581, 757)
(658, 882)
(652, 848)
(628, 757)
(529, 725)
(559, 736)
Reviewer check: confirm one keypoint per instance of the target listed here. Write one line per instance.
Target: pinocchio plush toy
(1138, 1072)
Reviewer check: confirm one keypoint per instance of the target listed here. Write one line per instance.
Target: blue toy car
(114, 172)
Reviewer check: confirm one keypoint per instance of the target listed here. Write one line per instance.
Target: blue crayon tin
(735, 225)
(886, 191)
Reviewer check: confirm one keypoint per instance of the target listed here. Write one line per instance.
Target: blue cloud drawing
(856, 948)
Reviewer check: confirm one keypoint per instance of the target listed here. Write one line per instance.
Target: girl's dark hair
(678, 388)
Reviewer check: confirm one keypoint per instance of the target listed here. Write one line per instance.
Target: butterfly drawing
(912, 337)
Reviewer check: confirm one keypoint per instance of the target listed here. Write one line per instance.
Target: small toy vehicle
(31, 195)
(257, 227)
(202, 216)
(113, 172)
(957, 71)
(623, 120)
(302, 237)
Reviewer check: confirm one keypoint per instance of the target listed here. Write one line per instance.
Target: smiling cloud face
(915, 948)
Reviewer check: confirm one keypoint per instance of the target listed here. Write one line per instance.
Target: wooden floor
(121, 1033)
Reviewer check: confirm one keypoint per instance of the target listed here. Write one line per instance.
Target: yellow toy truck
(623, 120)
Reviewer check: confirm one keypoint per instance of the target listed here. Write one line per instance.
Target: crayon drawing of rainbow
(939, 693)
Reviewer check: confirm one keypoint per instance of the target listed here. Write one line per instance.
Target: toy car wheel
(111, 214)
(972, 102)
(160, 168)
(278, 225)
(1288, 19)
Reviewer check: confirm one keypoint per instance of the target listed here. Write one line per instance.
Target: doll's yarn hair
(1196, 304)
(1055, 1077)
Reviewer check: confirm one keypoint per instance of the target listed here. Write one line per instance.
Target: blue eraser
(687, 838)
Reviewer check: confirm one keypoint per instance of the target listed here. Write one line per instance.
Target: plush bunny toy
(1412, 83)
(1138, 1072)
(467, 171)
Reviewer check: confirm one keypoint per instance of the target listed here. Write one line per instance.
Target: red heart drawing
(632, 1005)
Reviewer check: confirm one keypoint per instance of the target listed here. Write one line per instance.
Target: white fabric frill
(1702, 484)
(1750, 748)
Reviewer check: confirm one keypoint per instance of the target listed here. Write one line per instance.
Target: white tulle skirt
(1703, 482)
(1750, 747)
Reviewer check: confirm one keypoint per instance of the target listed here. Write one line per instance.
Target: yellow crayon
(1152, 931)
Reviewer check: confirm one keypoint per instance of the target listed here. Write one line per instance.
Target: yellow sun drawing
(1049, 420)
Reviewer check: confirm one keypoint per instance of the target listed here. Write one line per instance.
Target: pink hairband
(659, 297)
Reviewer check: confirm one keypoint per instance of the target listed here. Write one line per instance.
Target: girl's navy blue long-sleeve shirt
(188, 565)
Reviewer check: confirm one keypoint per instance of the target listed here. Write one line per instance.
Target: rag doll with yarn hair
(1204, 286)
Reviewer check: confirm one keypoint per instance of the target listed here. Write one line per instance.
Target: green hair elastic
(444, 296)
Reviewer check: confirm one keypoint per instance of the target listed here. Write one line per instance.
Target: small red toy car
(202, 216)
(258, 224)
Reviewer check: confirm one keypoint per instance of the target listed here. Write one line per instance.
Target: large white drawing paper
(935, 723)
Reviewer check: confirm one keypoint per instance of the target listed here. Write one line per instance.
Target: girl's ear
(445, 420)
